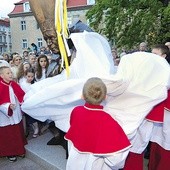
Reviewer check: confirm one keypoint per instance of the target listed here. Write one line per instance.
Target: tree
(129, 22)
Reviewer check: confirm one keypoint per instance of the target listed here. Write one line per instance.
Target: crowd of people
(17, 74)
(100, 145)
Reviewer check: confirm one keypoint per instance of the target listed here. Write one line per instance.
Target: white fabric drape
(141, 82)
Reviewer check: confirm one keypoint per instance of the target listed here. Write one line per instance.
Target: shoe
(21, 156)
(12, 158)
(35, 135)
(36, 130)
(147, 155)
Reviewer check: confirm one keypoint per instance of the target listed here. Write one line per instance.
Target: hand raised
(12, 106)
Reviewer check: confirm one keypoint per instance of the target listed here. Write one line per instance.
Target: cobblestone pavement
(20, 164)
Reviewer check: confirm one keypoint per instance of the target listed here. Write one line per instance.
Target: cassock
(161, 132)
(96, 140)
(154, 128)
(12, 138)
(160, 141)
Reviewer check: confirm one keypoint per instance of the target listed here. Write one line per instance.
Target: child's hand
(12, 106)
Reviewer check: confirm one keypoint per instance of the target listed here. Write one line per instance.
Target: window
(0, 39)
(90, 2)
(23, 25)
(69, 20)
(24, 43)
(9, 38)
(1, 50)
(26, 7)
(75, 18)
(40, 43)
(4, 39)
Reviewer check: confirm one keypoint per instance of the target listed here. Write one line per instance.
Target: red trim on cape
(4, 92)
(94, 131)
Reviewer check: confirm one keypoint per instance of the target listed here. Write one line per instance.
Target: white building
(5, 36)
(24, 27)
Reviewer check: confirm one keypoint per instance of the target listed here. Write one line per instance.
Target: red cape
(157, 113)
(4, 91)
(94, 131)
(167, 101)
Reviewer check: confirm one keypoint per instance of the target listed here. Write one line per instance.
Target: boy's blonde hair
(2, 69)
(94, 91)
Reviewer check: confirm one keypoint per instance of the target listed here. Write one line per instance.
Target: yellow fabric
(65, 19)
(61, 29)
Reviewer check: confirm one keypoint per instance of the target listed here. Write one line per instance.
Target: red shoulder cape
(94, 131)
(4, 91)
(167, 102)
(157, 113)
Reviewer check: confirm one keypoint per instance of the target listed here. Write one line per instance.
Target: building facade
(5, 36)
(24, 27)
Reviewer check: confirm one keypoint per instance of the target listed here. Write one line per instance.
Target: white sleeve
(117, 160)
(4, 108)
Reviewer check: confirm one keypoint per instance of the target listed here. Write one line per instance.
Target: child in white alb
(96, 140)
(26, 85)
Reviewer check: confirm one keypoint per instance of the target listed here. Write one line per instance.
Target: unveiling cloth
(141, 82)
(88, 57)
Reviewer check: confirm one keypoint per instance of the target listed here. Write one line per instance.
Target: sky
(6, 7)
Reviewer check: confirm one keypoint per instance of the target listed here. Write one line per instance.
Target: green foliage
(129, 22)
(165, 25)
